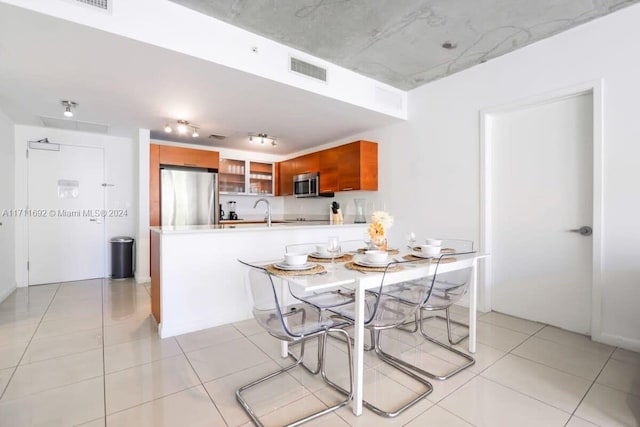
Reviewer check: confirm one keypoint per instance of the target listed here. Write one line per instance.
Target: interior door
(542, 187)
(66, 218)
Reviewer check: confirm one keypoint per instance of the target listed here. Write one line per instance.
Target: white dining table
(339, 275)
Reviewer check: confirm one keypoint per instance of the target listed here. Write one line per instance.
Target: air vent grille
(101, 4)
(309, 70)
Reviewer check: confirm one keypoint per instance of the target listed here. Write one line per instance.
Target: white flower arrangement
(383, 218)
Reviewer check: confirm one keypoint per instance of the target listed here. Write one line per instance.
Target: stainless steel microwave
(306, 185)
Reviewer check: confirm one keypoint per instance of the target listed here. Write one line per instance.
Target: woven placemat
(271, 268)
(446, 251)
(343, 258)
(410, 257)
(353, 266)
(389, 251)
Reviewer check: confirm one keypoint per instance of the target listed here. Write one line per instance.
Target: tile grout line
(30, 340)
(201, 383)
(104, 368)
(590, 387)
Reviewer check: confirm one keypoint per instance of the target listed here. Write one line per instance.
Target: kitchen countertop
(240, 226)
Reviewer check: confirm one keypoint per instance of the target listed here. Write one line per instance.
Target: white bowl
(322, 250)
(433, 242)
(430, 250)
(295, 258)
(376, 256)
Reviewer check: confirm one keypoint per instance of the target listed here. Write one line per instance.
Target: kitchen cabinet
(178, 156)
(285, 177)
(308, 163)
(329, 170)
(358, 166)
(239, 176)
(348, 167)
(261, 178)
(154, 185)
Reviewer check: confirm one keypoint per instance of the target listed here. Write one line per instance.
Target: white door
(542, 187)
(66, 225)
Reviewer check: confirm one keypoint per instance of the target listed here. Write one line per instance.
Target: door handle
(584, 230)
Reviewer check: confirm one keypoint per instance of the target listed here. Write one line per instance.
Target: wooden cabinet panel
(155, 276)
(154, 185)
(329, 170)
(307, 164)
(179, 156)
(285, 177)
(358, 166)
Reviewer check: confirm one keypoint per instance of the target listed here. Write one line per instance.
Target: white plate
(421, 255)
(364, 263)
(325, 256)
(283, 266)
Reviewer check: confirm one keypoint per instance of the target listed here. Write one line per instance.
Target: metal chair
(447, 289)
(293, 323)
(384, 312)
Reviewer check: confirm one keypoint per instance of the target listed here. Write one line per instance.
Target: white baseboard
(5, 294)
(622, 342)
(142, 279)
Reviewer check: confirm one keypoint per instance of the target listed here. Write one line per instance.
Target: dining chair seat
(447, 289)
(384, 312)
(297, 322)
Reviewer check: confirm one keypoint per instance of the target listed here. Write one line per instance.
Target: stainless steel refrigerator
(188, 196)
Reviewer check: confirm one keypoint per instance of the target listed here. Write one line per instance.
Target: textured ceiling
(400, 42)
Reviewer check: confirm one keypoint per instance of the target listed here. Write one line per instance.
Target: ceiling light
(182, 126)
(68, 105)
(262, 138)
(194, 132)
(167, 128)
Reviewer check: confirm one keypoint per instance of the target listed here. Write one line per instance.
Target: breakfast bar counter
(196, 280)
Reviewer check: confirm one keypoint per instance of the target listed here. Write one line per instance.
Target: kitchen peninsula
(196, 280)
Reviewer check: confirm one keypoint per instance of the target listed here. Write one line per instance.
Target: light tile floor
(87, 353)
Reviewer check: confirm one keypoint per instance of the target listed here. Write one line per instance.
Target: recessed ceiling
(400, 42)
(125, 85)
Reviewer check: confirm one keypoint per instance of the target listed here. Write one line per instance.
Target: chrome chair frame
(419, 320)
(321, 333)
(375, 328)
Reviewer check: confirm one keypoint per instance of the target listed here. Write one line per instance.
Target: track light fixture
(261, 138)
(183, 127)
(68, 105)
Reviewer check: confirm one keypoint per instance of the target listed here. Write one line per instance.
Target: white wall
(183, 30)
(7, 257)
(429, 166)
(120, 172)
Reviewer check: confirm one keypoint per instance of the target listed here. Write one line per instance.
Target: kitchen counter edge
(229, 229)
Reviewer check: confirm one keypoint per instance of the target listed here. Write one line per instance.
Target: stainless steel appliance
(232, 210)
(188, 196)
(306, 185)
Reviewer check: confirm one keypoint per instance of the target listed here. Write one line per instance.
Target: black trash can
(121, 257)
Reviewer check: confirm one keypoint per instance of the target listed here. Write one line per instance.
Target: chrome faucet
(268, 209)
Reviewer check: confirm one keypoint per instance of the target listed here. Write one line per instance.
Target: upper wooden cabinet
(178, 156)
(285, 177)
(308, 163)
(349, 167)
(357, 166)
(329, 170)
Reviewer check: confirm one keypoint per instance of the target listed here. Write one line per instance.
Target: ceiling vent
(52, 122)
(301, 67)
(100, 4)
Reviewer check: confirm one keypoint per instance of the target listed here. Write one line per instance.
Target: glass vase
(360, 218)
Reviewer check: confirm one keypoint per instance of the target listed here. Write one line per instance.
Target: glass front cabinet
(246, 177)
